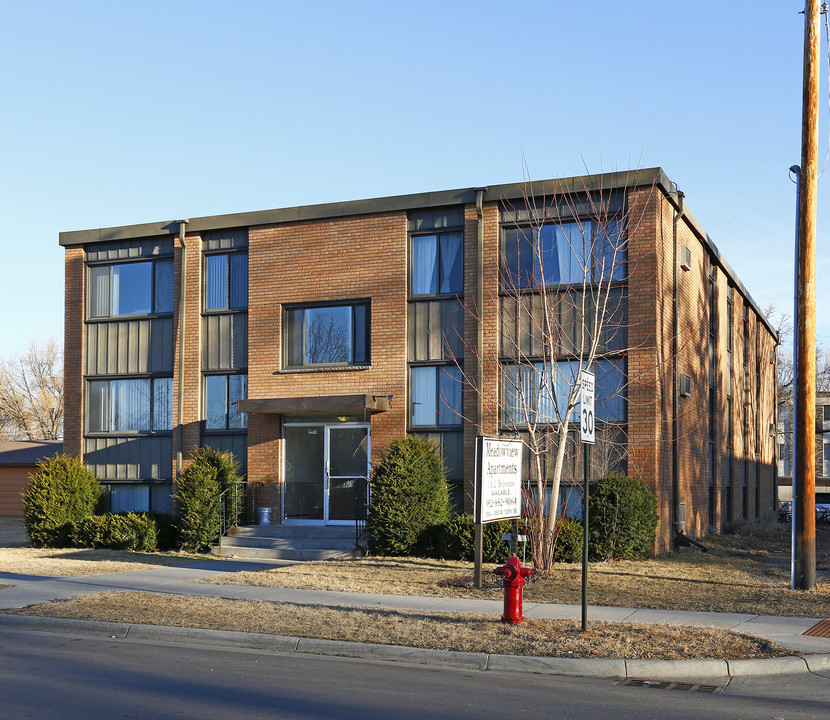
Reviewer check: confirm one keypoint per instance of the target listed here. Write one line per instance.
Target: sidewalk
(788, 632)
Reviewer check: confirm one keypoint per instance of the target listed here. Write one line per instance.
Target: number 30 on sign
(586, 407)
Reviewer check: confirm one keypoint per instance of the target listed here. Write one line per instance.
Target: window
(140, 405)
(437, 264)
(221, 395)
(327, 335)
(436, 395)
(563, 254)
(226, 281)
(137, 288)
(540, 392)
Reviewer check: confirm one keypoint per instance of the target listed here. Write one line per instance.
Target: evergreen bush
(61, 491)
(458, 540)
(409, 496)
(128, 531)
(197, 498)
(623, 519)
(568, 540)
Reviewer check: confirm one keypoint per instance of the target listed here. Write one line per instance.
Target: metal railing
(231, 504)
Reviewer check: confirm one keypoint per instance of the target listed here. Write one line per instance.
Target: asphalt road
(43, 675)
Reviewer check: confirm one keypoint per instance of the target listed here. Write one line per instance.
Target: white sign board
(587, 386)
(498, 479)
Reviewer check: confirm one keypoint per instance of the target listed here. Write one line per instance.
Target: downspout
(182, 322)
(675, 481)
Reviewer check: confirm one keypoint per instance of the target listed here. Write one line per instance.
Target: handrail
(226, 523)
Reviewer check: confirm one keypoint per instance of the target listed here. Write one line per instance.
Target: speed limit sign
(587, 386)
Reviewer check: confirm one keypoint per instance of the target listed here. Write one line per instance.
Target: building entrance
(326, 473)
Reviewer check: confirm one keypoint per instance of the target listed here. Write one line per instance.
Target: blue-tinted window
(437, 264)
(138, 288)
(436, 395)
(327, 335)
(222, 392)
(226, 283)
(540, 392)
(563, 254)
(136, 405)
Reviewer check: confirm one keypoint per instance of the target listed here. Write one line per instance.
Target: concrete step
(289, 542)
(294, 531)
(277, 543)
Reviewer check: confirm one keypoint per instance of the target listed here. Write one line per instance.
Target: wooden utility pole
(805, 422)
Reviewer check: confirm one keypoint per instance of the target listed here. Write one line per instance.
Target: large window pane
(518, 257)
(99, 278)
(239, 280)
(132, 288)
(136, 405)
(130, 405)
(237, 390)
(216, 401)
(449, 395)
(424, 395)
(217, 282)
(610, 397)
(129, 498)
(163, 404)
(452, 278)
(424, 265)
(329, 335)
(164, 287)
(609, 252)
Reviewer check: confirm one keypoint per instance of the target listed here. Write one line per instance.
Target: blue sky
(117, 113)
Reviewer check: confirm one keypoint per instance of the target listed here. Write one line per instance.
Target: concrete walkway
(788, 632)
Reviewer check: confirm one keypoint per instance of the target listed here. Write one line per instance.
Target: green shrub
(623, 519)
(197, 498)
(61, 491)
(457, 540)
(409, 495)
(165, 530)
(227, 474)
(129, 531)
(568, 540)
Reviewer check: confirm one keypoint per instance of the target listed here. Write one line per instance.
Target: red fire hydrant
(513, 578)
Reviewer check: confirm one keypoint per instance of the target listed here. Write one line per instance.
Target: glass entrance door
(326, 467)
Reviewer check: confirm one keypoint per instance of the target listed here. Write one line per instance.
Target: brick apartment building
(305, 339)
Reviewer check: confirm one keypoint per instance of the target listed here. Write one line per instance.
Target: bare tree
(31, 393)
(328, 336)
(562, 299)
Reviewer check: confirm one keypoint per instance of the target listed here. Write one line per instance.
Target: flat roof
(605, 182)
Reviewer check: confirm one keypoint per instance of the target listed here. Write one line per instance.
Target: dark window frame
(289, 352)
(154, 262)
(229, 285)
(226, 428)
(151, 411)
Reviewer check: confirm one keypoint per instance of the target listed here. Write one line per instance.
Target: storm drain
(820, 629)
(667, 685)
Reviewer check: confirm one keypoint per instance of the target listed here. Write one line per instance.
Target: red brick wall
(650, 375)
(191, 409)
(73, 333)
(361, 257)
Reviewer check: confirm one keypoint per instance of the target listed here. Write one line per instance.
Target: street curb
(580, 667)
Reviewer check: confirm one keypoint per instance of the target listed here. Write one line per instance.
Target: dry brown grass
(744, 573)
(466, 632)
(75, 562)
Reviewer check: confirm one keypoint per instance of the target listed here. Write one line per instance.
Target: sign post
(498, 488)
(587, 387)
